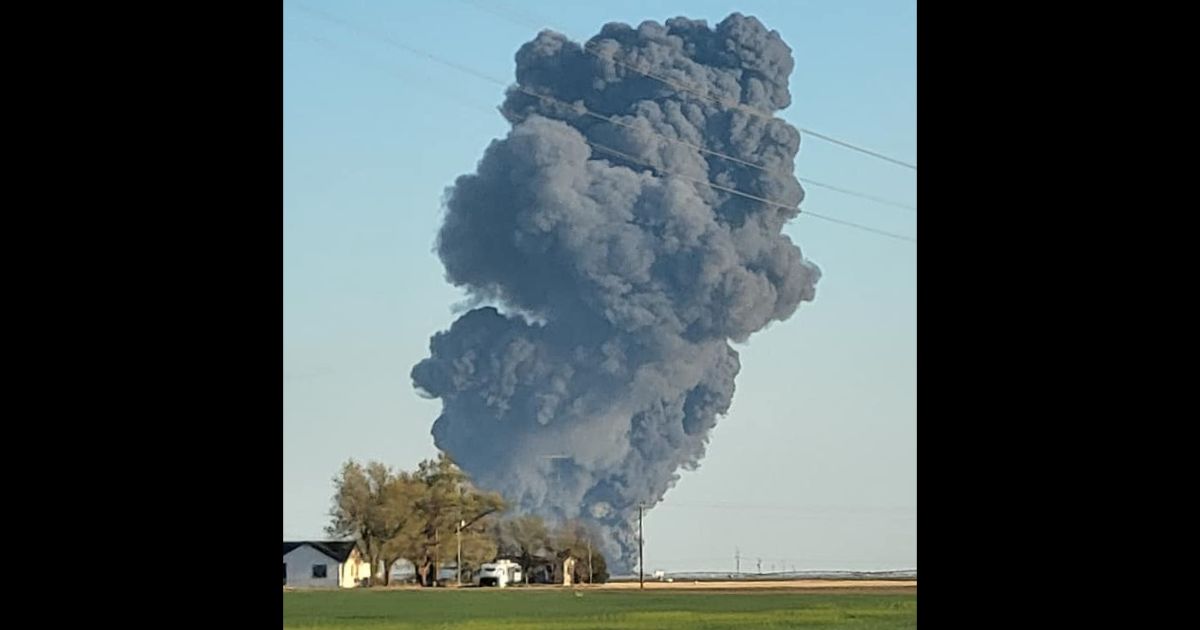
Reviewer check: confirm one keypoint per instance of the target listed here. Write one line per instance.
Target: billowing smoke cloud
(619, 286)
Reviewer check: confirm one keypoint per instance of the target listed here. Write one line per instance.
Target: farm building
(562, 569)
(328, 564)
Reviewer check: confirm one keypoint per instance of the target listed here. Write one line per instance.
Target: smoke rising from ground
(619, 287)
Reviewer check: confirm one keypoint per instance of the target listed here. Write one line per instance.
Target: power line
(734, 191)
(389, 40)
(814, 510)
(614, 120)
(356, 57)
(749, 196)
(749, 110)
(588, 112)
(731, 105)
(610, 150)
(797, 513)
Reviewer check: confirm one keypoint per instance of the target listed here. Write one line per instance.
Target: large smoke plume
(618, 285)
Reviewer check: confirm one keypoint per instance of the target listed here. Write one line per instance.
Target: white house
(327, 564)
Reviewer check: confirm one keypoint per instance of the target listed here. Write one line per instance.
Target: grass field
(555, 609)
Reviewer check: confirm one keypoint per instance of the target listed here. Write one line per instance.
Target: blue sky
(815, 465)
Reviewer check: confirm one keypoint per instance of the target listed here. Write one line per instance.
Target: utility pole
(641, 562)
(760, 566)
(737, 561)
(458, 565)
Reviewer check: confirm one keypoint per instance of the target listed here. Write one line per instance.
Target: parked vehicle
(500, 573)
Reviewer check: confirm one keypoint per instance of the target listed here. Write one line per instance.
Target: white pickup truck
(500, 573)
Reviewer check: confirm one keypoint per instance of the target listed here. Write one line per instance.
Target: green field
(518, 609)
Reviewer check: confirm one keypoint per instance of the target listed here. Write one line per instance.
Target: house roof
(337, 549)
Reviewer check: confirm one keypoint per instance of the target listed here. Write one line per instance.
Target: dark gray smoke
(619, 286)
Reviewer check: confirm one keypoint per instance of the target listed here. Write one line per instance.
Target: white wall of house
(300, 562)
(355, 570)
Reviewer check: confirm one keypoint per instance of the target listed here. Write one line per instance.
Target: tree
(415, 516)
(525, 538)
(377, 508)
(400, 521)
(478, 547)
(576, 539)
(352, 511)
(449, 502)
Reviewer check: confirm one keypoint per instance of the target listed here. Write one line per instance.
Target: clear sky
(814, 467)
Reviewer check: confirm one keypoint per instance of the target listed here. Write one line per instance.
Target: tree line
(422, 516)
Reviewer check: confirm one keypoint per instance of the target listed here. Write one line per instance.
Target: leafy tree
(400, 520)
(450, 501)
(377, 508)
(422, 516)
(525, 538)
(478, 546)
(575, 538)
